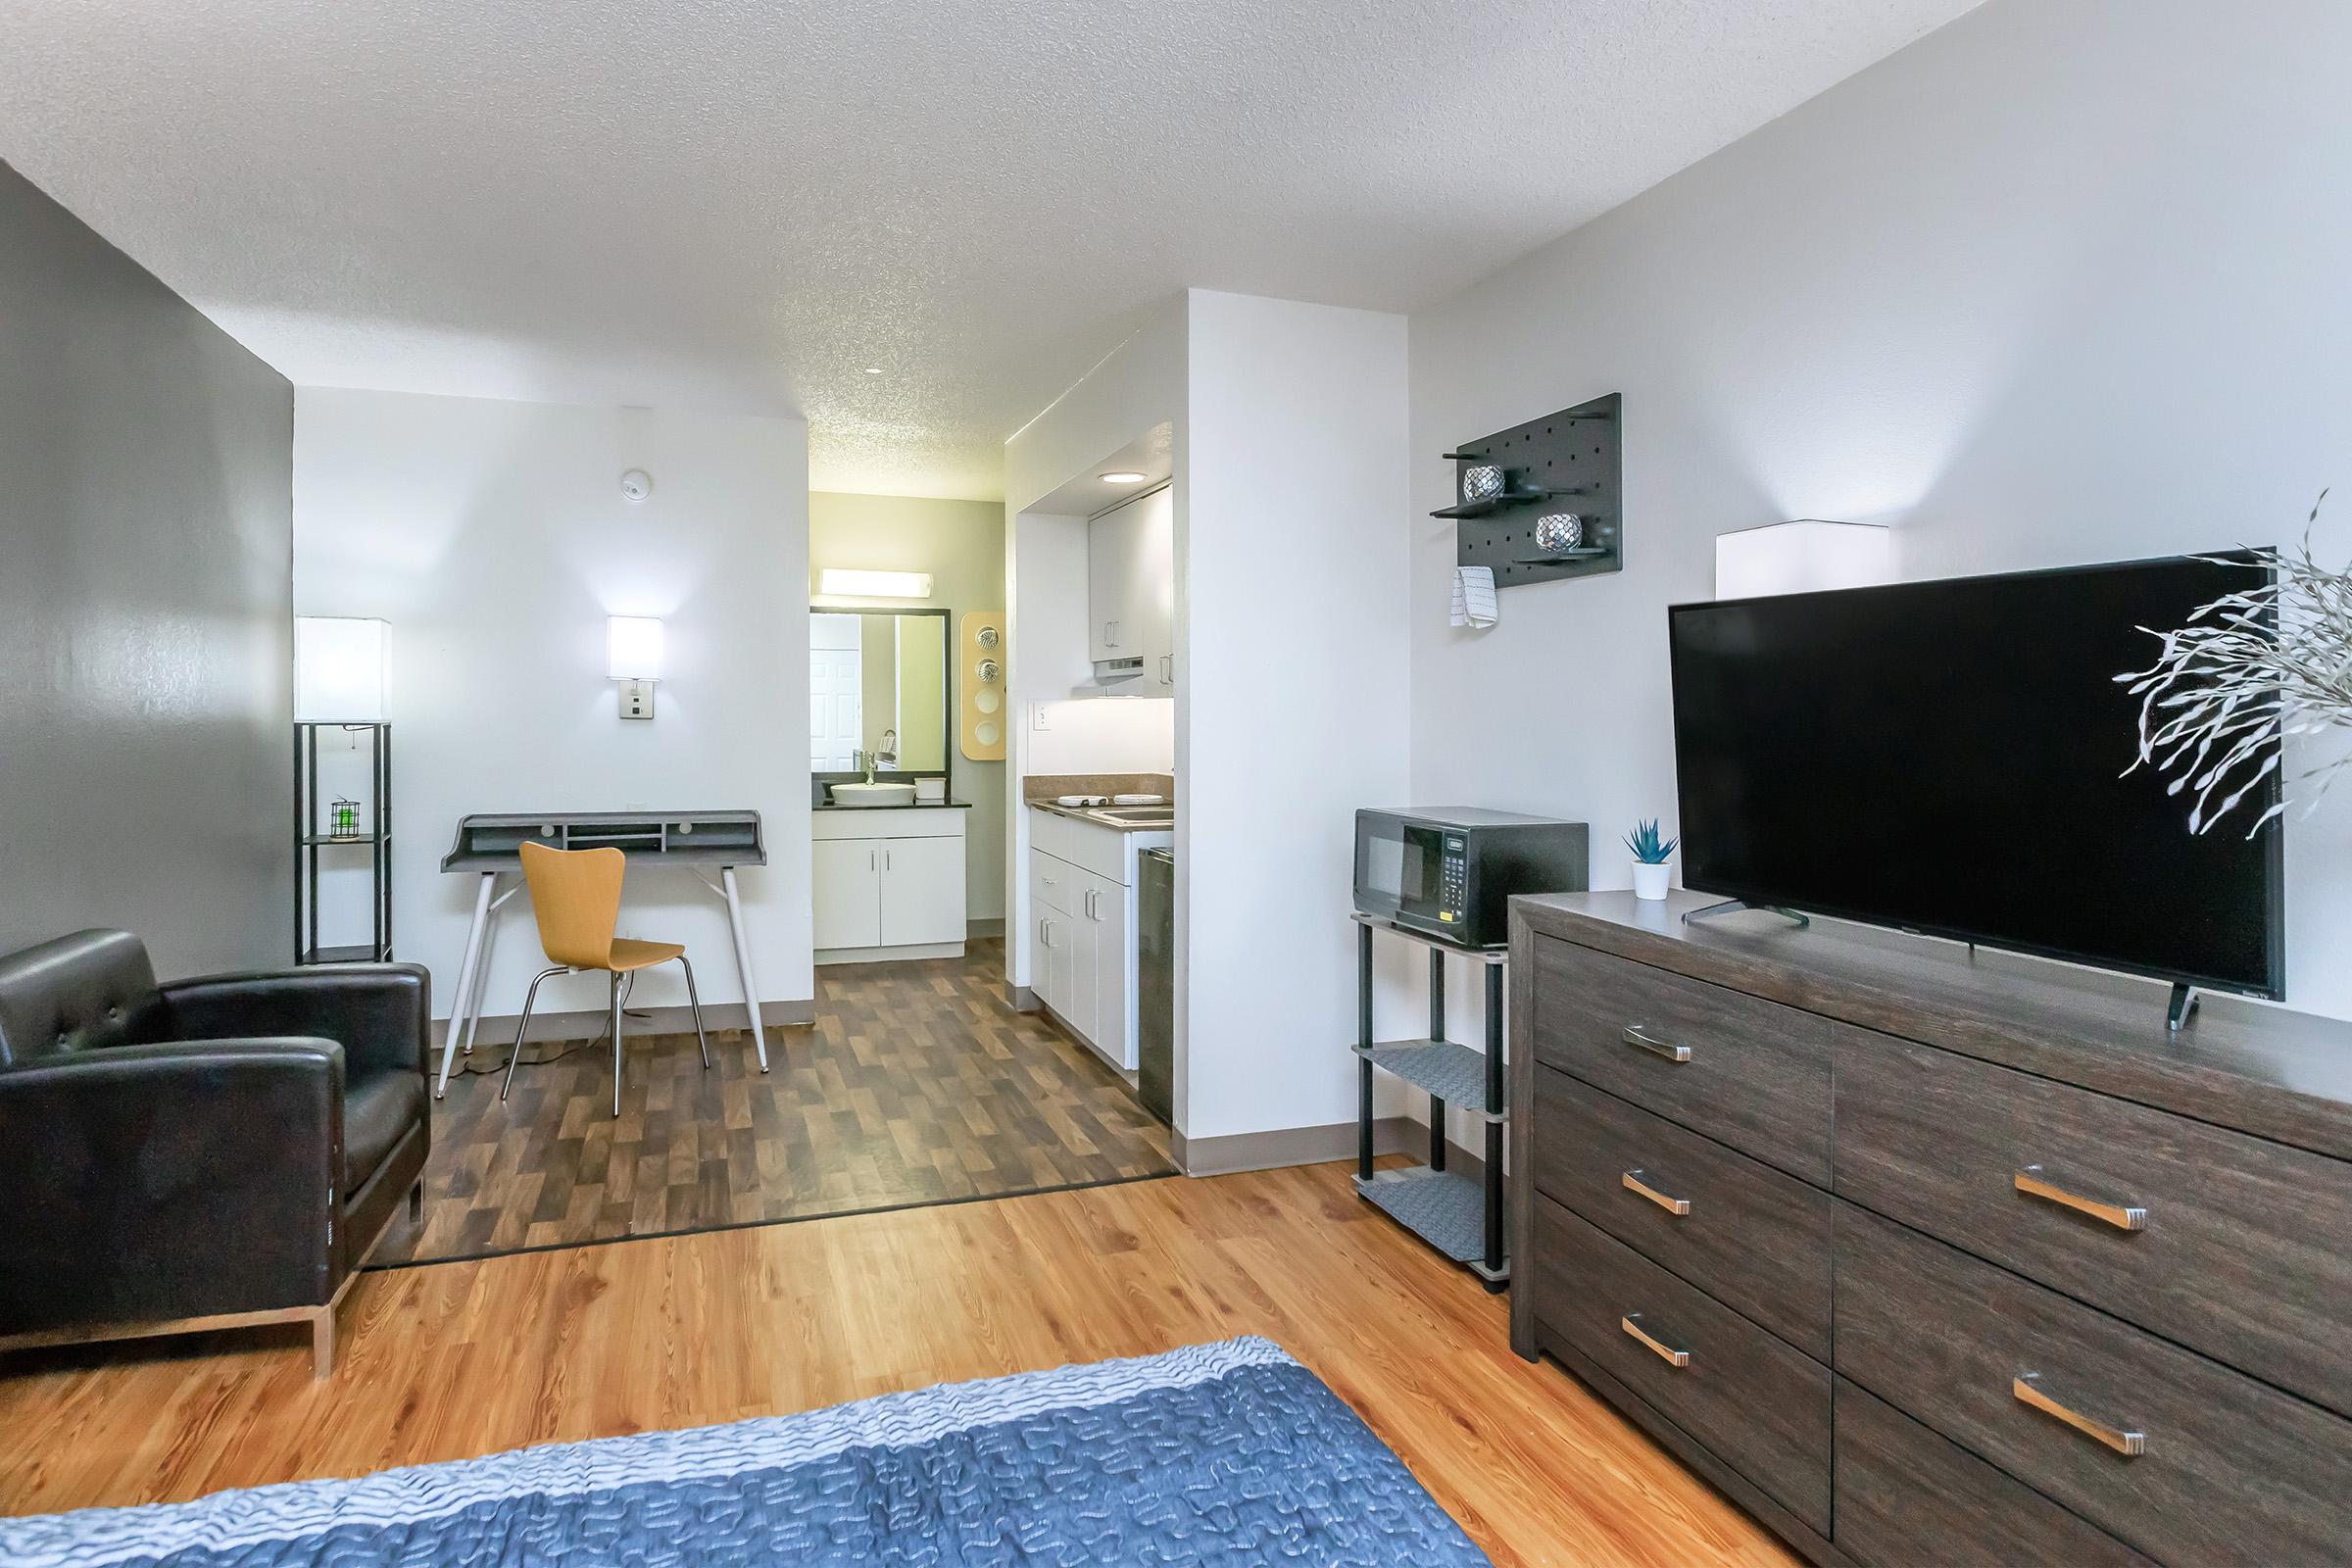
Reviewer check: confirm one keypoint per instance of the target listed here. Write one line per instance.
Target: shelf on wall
(1510, 498)
(1575, 452)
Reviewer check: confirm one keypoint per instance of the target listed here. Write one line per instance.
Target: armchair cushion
(378, 1109)
(77, 993)
(380, 1011)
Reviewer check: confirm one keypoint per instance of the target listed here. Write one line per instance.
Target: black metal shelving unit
(315, 837)
(1460, 1215)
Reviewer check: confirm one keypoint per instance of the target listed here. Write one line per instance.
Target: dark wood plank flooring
(918, 1084)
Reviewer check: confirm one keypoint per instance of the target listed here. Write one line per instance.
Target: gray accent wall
(146, 608)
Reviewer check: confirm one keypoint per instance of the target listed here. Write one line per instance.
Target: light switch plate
(637, 699)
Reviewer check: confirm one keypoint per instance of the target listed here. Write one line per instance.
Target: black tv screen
(1951, 757)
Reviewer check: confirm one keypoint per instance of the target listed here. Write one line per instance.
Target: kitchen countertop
(1089, 816)
(911, 805)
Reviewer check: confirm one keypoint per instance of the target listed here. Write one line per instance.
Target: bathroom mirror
(878, 683)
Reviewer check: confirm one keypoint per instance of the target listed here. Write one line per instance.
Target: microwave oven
(1448, 870)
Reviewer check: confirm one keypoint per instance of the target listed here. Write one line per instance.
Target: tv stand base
(1735, 905)
(2182, 1004)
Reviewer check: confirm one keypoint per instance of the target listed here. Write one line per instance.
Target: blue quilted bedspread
(1223, 1453)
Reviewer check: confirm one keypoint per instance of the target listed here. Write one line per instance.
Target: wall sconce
(874, 584)
(633, 655)
(338, 671)
(1802, 555)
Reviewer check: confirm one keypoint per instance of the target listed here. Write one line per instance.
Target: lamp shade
(1799, 557)
(633, 646)
(338, 669)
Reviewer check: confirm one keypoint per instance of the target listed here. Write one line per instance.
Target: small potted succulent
(1650, 855)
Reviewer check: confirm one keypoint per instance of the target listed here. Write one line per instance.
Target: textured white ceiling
(740, 205)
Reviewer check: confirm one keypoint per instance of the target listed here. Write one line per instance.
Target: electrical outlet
(1038, 715)
(636, 698)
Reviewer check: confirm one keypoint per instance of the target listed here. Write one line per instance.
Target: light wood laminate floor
(456, 1359)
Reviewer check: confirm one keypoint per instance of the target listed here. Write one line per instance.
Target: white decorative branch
(2248, 670)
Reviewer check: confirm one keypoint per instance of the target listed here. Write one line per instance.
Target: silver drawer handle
(1672, 1355)
(2027, 1387)
(2036, 1182)
(1635, 1181)
(1634, 1035)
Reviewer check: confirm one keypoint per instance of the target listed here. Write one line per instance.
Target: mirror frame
(947, 675)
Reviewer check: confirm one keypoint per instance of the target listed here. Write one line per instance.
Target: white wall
(494, 538)
(1102, 735)
(1292, 703)
(2065, 281)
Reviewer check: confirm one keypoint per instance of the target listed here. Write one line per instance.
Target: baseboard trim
(1024, 1000)
(1309, 1146)
(902, 955)
(586, 1023)
(980, 930)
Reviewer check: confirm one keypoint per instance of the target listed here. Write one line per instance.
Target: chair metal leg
(695, 1002)
(528, 998)
(616, 1045)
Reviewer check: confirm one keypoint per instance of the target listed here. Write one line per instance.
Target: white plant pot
(1650, 881)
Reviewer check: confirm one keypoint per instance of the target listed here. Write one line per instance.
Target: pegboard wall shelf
(1575, 452)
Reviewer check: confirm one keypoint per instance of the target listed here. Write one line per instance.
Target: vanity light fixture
(1122, 476)
(874, 584)
(633, 657)
(873, 370)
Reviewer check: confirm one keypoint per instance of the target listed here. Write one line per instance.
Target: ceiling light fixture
(873, 370)
(1122, 476)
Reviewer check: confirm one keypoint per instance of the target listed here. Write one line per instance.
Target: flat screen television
(1951, 757)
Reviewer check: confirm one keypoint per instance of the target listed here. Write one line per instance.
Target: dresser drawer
(2246, 1246)
(1748, 1235)
(1908, 1498)
(1749, 1073)
(2232, 1470)
(1759, 1406)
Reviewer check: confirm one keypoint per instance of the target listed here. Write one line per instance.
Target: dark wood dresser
(1925, 1258)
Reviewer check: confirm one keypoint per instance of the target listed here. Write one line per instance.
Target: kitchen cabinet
(888, 883)
(1083, 924)
(1131, 593)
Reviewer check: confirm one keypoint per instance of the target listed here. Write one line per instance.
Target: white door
(1151, 591)
(836, 694)
(1052, 970)
(922, 891)
(847, 893)
(1113, 630)
(1110, 930)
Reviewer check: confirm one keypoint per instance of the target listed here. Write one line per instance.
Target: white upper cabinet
(1131, 591)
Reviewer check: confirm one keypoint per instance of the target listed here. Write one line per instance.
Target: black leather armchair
(200, 1154)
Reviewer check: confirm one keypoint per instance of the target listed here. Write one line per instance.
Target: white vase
(1650, 881)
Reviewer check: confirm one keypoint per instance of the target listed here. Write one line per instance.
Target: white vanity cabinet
(1131, 591)
(888, 883)
(1082, 927)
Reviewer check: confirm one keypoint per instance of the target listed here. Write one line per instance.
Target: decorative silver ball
(1484, 482)
(1559, 533)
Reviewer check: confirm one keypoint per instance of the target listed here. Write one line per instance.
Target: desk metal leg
(464, 986)
(743, 963)
(481, 980)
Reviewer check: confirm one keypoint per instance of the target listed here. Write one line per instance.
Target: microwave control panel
(1452, 882)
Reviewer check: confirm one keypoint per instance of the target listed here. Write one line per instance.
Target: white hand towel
(1474, 596)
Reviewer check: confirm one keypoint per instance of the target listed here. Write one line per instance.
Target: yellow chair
(575, 896)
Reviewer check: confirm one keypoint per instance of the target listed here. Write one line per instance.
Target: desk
(491, 847)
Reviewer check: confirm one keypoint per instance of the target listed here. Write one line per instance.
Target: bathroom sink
(872, 793)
